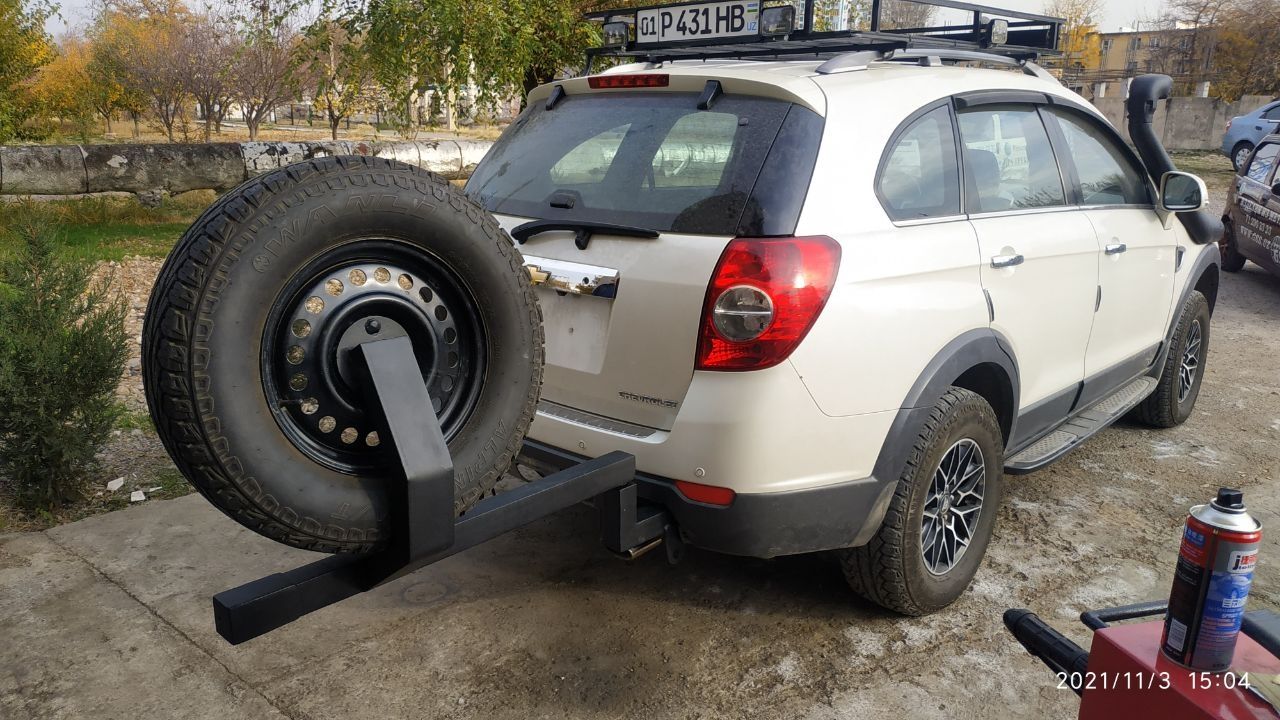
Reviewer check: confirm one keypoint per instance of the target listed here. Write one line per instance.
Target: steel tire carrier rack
(1012, 34)
(425, 529)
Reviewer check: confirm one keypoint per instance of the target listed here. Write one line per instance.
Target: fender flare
(1209, 260)
(980, 346)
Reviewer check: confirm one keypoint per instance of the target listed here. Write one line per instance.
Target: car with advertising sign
(1252, 214)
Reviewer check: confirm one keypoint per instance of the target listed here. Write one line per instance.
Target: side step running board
(1080, 428)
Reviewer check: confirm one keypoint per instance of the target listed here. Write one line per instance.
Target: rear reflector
(630, 80)
(709, 494)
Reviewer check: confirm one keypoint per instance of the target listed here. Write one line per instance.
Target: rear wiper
(582, 230)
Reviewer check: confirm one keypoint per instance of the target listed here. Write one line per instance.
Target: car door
(1137, 256)
(1267, 122)
(1040, 255)
(1255, 215)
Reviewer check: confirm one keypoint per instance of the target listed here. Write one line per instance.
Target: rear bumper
(757, 524)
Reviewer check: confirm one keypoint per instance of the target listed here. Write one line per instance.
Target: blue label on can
(1223, 611)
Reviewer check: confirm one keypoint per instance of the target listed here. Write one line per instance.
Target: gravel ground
(559, 629)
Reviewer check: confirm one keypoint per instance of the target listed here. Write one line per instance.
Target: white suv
(830, 304)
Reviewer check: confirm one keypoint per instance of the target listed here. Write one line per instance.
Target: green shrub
(62, 348)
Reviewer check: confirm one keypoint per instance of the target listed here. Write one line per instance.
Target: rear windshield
(651, 160)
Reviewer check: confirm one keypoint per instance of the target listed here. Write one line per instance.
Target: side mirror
(1275, 189)
(1182, 192)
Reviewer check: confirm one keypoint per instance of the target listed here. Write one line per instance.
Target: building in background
(1183, 53)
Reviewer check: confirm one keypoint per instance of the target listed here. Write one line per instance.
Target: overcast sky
(1115, 13)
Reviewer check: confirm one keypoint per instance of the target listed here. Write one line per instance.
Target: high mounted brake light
(764, 296)
(631, 80)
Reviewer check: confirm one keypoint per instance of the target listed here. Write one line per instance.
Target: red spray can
(1211, 584)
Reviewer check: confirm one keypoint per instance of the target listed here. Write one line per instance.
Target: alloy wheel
(953, 506)
(1190, 361)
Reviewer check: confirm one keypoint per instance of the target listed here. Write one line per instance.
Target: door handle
(1004, 261)
(1116, 248)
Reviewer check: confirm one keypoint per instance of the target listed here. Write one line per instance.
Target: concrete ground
(110, 617)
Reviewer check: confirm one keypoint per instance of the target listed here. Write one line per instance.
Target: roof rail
(862, 59)
(739, 29)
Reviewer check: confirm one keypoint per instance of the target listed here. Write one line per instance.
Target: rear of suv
(830, 305)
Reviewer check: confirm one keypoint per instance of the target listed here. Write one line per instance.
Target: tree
(146, 45)
(1244, 55)
(338, 71)
(263, 74)
(211, 47)
(24, 49)
(1079, 41)
(65, 88)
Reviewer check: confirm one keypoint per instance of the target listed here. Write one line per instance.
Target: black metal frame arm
(424, 526)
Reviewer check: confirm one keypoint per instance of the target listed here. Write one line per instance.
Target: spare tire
(248, 336)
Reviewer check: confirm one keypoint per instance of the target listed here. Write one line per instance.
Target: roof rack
(771, 30)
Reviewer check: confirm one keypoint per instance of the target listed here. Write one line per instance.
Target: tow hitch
(425, 529)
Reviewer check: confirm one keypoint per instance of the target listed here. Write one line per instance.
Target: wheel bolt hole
(372, 439)
(435, 404)
(310, 406)
(333, 286)
(327, 424)
(315, 305)
(450, 336)
(298, 381)
(453, 360)
(446, 383)
(382, 275)
(405, 282)
(357, 277)
(425, 294)
(441, 313)
(301, 328)
(349, 435)
(295, 355)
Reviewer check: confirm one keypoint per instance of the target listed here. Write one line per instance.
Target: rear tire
(1240, 154)
(1179, 384)
(903, 567)
(1232, 260)
(247, 340)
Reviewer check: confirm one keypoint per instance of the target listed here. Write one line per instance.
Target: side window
(1107, 176)
(695, 152)
(587, 163)
(1262, 162)
(1008, 161)
(919, 176)
(1272, 114)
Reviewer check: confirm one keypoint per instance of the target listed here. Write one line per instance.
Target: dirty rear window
(651, 160)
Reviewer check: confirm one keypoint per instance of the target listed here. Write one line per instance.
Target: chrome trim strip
(593, 421)
(571, 277)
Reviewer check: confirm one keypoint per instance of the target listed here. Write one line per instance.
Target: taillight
(764, 296)
(628, 80)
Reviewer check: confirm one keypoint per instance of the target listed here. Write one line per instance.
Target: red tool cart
(1125, 676)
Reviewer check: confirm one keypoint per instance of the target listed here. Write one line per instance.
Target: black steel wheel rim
(365, 290)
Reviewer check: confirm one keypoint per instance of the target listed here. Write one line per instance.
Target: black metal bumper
(755, 524)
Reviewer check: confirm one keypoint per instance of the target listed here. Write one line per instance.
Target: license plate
(699, 21)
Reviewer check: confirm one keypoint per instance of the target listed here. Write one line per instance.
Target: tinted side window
(1107, 176)
(1009, 163)
(919, 177)
(1262, 162)
(1272, 114)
